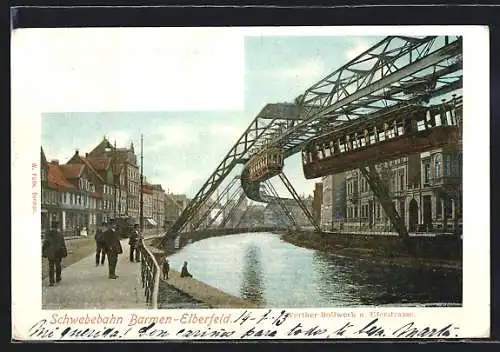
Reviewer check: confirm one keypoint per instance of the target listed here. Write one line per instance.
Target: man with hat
(113, 247)
(54, 249)
(134, 237)
(99, 242)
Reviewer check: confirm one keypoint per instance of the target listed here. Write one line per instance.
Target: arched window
(437, 165)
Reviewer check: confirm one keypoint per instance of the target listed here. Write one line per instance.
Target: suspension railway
(376, 107)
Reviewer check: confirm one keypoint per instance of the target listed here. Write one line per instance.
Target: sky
(183, 147)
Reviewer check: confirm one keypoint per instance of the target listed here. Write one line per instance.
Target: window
(438, 207)
(427, 173)
(437, 164)
(355, 211)
(378, 210)
(448, 208)
(328, 152)
(446, 165)
(402, 180)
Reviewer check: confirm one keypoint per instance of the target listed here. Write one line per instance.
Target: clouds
(357, 48)
(122, 138)
(303, 70)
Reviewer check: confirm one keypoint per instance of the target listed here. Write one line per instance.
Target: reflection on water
(263, 269)
(252, 286)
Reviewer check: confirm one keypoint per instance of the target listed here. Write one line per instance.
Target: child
(166, 269)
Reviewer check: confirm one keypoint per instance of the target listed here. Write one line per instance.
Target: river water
(262, 268)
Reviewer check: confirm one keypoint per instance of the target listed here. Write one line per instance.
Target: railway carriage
(265, 164)
(419, 130)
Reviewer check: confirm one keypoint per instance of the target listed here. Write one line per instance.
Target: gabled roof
(71, 171)
(99, 149)
(56, 179)
(88, 164)
(99, 163)
(43, 158)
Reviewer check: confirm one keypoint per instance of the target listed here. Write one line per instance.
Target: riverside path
(85, 286)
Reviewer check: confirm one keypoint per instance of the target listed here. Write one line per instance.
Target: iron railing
(150, 275)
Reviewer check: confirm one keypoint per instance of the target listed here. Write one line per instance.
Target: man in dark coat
(134, 236)
(99, 243)
(113, 247)
(54, 249)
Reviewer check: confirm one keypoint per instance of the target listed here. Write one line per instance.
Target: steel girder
(348, 94)
(236, 154)
(381, 189)
(301, 204)
(243, 216)
(376, 80)
(223, 208)
(217, 201)
(276, 199)
(233, 209)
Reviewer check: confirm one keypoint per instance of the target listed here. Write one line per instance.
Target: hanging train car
(422, 129)
(265, 164)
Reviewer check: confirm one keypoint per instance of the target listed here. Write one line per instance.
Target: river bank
(190, 293)
(434, 252)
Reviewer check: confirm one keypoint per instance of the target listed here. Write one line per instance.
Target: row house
(158, 205)
(69, 196)
(97, 187)
(147, 208)
(49, 195)
(126, 177)
(80, 209)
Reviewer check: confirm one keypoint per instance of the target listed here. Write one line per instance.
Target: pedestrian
(132, 242)
(184, 270)
(166, 269)
(113, 248)
(54, 249)
(99, 244)
(138, 246)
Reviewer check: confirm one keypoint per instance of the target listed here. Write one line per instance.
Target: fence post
(150, 275)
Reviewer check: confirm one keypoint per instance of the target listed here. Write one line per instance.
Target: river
(262, 268)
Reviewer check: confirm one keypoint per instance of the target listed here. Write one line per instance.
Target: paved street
(85, 286)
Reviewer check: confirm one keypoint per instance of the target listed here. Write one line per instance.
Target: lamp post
(141, 216)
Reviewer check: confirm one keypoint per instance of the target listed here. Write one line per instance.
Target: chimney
(54, 162)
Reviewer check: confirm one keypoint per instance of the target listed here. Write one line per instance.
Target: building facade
(317, 202)
(158, 205)
(126, 174)
(426, 189)
(333, 209)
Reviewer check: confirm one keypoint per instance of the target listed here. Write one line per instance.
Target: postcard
(250, 183)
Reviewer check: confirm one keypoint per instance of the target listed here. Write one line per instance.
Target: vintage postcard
(250, 183)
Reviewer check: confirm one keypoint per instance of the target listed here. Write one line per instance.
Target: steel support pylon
(221, 210)
(280, 202)
(233, 209)
(299, 201)
(214, 204)
(381, 191)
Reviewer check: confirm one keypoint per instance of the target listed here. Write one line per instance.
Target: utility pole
(141, 216)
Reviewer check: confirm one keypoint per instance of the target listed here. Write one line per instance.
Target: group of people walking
(107, 245)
